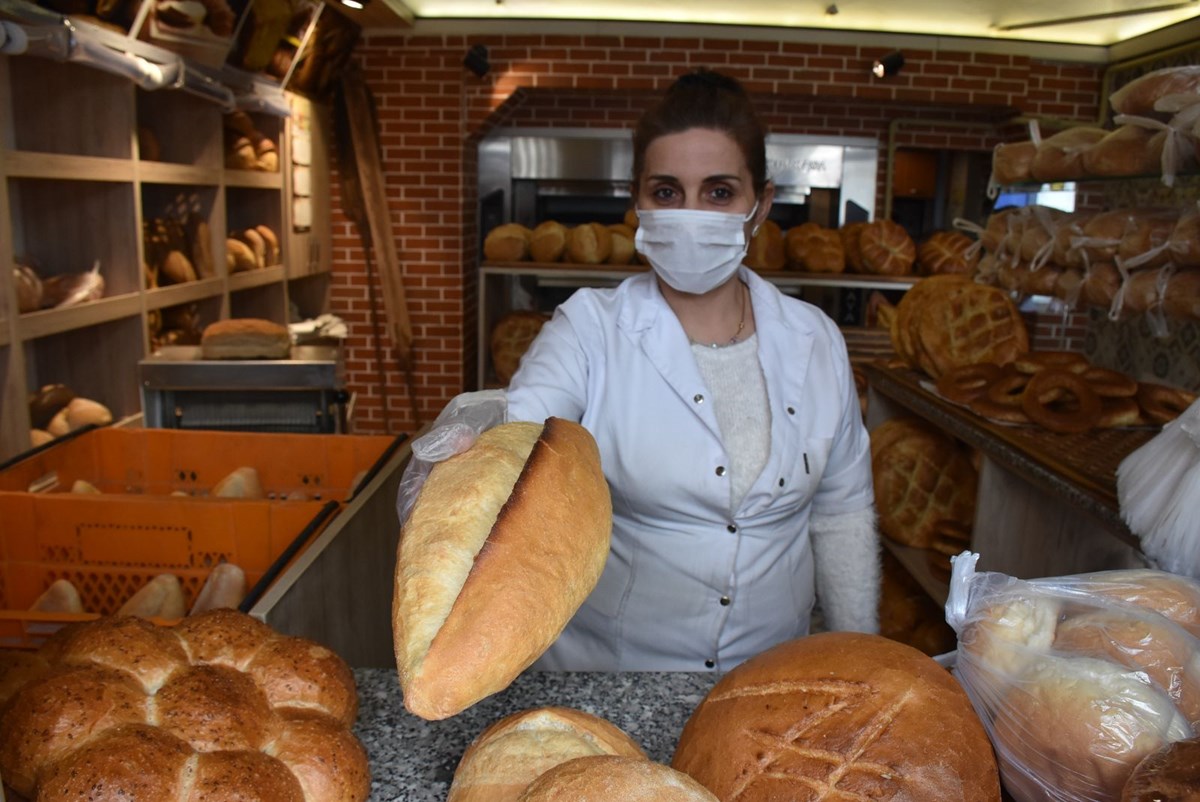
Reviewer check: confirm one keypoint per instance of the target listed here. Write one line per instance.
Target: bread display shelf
(167, 173)
(30, 164)
(253, 179)
(255, 278)
(781, 278)
(1076, 468)
(162, 297)
(56, 321)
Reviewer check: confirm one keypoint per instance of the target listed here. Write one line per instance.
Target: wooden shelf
(564, 271)
(253, 179)
(917, 564)
(57, 167)
(162, 297)
(255, 278)
(92, 313)
(182, 174)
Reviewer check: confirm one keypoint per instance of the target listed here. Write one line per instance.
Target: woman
(725, 412)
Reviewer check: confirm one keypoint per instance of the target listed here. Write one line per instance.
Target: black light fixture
(888, 65)
(476, 61)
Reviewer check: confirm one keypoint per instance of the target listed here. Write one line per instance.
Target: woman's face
(696, 169)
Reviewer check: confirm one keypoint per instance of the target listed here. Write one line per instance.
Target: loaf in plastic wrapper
(1077, 678)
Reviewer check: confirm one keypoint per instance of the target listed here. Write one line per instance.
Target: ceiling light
(357, 5)
(888, 65)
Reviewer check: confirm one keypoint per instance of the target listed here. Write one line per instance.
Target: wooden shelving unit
(76, 192)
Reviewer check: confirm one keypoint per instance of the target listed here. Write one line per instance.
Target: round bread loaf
(589, 244)
(511, 338)
(548, 242)
(507, 243)
(1011, 161)
(946, 252)
(622, 244)
(887, 249)
(766, 248)
(1172, 773)
(608, 778)
(514, 751)
(839, 716)
(851, 236)
(121, 709)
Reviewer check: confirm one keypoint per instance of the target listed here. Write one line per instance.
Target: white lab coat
(690, 584)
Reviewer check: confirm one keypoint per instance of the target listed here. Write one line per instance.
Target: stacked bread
(1080, 678)
(552, 242)
(219, 706)
(1128, 261)
(839, 716)
(55, 410)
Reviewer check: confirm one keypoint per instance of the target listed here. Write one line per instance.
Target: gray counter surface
(414, 760)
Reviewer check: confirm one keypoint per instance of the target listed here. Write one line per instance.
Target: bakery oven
(577, 176)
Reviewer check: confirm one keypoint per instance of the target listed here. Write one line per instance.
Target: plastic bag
(1077, 678)
(467, 416)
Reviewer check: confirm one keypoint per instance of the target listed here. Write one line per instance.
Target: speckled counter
(413, 760)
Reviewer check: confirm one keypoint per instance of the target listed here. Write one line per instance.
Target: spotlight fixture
(357, 5)
(476, 61)
(888, 65)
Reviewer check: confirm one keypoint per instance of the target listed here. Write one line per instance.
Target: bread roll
(548, 242)
(58, 425)
(224, 637)
(302, 674)
(1169, 595)
(224, 587)
(1141, 95)
(177, 268)
(134, 761)
(241, 776)
(1060, 157)
(239, 256)
(48, 402)
(326, 758)
(29, 289)
(622, 244)
(503, 544)
(161, 597)
(1009, 633)
(1079, 726)
(84, 486)
(766, 248)
(1012, 162)
(240, 483)
(1130, 150)
(839, 715)
(258, 245)
(245, 338)
(149, 653)
(60, 597)
(84, 411)
(589, 244)
(1171, 773)
(270, 244)
(608, 778)
(214, 707)
(514, 751)
(507, 243)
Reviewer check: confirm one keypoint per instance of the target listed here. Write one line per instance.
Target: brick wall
(432, 113)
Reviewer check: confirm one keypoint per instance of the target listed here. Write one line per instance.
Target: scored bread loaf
(609, 778)
(514, 751)
(589, 244)
(245, 338)
(839, 715)
(503, 544)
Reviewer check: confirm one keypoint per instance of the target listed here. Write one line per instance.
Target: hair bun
(709, 79)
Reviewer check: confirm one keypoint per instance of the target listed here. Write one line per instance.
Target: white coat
(691, 584)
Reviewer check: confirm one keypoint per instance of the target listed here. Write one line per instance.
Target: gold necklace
(741, 323)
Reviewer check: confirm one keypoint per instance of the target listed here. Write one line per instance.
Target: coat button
(732, 529)
(724, 601)
(791, 410)
(720, 470)
(781, 482)
(699, 399)
(709, 663)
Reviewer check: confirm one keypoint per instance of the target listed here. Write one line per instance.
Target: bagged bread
(1142, 95)
(514, 751)
(839, 715)
(1075, 680)
(503, 543)
(1060, 157)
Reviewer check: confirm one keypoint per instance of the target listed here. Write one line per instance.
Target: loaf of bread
(503, 544)
(511, 338)
(548, 242)
(61, 597)
(1141, 96)
(946, 252)
(216, 707)
(241, 482)
(1129, 150)
(514, 751)
(1060, 157)
(161, 597)
(814, 249)
(839, 716)
(245, 338)
(224, 587)
(507, 243)
(851, 236)
(608, 778)
(1171, 773)
(589, 244)
(887, 249)
(765, 251)
(622, 244)
(1012, 162)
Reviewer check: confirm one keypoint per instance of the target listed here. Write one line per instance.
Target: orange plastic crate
(163, 461)
(110, 546)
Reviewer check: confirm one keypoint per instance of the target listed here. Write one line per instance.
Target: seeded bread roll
(503, 544)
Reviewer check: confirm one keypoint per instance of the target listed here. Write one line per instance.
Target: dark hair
(705, 99)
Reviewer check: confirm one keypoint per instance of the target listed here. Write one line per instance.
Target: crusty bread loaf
(1141, 95)
(1171, 773)
(514, 751)
(1169, 595)
(765, 251)
(1011, 161)
(887, 249)
(548, 242)
(503, 544)
(622, 244)
(511, 338)
(507, 243)
(1060, 157)
(608, 778)
(589, 244)
(245, 338)
(839, 716)
(1129, 150)
(120, 708)
(946, 252)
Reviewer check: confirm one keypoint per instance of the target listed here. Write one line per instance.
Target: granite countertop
(414, 760)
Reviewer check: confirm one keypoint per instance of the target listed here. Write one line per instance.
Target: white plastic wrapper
(1077, 678)
(467, 416)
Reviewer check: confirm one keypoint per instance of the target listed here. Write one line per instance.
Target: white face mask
(691, 250)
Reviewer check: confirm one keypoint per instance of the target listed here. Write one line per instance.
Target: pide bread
(514, 751)
(219, 707)
(609, 778)
(839, 716)
(503, 544)
(245, 338)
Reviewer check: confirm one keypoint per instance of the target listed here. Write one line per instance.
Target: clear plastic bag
(467, 416)
(1077, 678)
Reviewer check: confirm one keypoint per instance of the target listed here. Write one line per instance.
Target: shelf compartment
(175, 294)
(264, 301)
(176, 129)
(70, 109)
(30, 164)
(916, 562)
(64, 227)
(98, 361)
(165, 173)
(250, 279)
(49, 322)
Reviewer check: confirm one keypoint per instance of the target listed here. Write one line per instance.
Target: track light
(476, 60)
(888, 65)
(357, 5)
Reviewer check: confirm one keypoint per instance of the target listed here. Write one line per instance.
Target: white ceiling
(986, 19)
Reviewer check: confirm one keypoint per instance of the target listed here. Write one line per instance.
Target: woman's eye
(663, 193)
(721, 194)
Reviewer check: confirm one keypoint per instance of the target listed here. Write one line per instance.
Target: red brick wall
(432, 113)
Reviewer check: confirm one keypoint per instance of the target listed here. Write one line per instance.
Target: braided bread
(218, 707)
